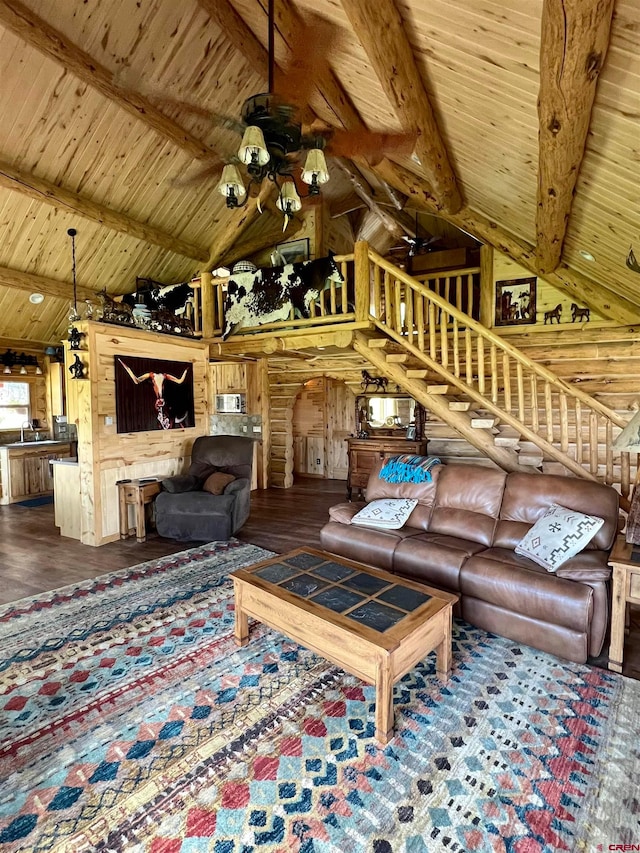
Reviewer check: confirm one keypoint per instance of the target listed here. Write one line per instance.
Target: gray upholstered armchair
(188, 512)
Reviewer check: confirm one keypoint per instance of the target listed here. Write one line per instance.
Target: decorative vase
(141, 315)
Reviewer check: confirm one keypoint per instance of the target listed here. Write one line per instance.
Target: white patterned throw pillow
(388, 513)
(560, 534)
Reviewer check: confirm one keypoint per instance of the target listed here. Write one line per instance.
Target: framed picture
(294, 251)
(153, 393)
(516, 301)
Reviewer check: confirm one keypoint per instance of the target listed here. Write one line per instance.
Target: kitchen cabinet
(25, 470)
(365, 453)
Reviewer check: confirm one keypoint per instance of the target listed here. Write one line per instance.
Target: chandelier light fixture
(271, 141)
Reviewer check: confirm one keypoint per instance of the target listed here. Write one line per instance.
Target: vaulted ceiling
(527, 118)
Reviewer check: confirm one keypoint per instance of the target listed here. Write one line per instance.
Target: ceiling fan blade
(371, 145)
(307, 61)
(213, 170)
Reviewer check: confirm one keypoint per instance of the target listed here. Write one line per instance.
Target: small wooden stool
(137, 493)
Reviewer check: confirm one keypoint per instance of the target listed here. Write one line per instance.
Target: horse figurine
(554, 313)
(378, 382)
(579, 313)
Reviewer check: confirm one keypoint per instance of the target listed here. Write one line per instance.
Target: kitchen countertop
(43, 443)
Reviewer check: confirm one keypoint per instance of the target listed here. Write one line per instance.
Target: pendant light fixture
(73, 308)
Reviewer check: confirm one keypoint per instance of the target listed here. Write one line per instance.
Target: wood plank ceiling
(85, 142)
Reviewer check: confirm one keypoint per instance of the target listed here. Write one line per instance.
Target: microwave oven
(231, 403)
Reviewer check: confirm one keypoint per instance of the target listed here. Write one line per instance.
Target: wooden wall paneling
(308, 425)
(547, 296)
(104, 455)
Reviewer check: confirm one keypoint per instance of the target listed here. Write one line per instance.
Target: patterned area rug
(131, 722)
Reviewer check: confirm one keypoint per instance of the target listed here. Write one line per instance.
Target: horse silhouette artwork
(578, 313)
(554, 313)
(378, 382)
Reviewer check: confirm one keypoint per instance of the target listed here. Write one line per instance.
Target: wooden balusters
(494, 374)
(432, 330)
(593, 442)
(444, 339)
(455, 340)
(578, 422)
(388, 303)
(608, 474)
(377, 294)
(564, 422)
(520, 390)
(420, 318)
(468, 356)
(548, 410)
(408, 314)
(535, 419)
(480, 350)
(506, 378)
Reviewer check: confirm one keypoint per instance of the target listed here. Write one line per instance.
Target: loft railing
(567, 424)
(335, 304)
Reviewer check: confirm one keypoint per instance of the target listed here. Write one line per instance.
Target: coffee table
(372, 624)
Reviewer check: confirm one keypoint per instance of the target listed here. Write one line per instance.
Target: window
(14, 404)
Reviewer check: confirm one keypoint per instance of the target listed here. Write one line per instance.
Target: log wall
(105, 455)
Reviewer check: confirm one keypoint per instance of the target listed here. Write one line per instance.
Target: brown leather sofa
(462, 537)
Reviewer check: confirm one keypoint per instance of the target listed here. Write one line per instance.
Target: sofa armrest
(343, 513)
(588, 566)
(181, 483)
(240, 489)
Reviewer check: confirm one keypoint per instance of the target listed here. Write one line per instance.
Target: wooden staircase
(504, 406)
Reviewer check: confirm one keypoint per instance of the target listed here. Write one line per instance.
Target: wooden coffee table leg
(443, 651)
(241, 619)
(384, 702)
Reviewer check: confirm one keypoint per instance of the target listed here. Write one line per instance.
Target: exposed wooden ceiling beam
(238, 33)
(364, 193)
(62, 199)
(30, 283)
(52, 43)
(252, 245)
(573, 46)
(583, 290)
(235, 222)
(380, 29)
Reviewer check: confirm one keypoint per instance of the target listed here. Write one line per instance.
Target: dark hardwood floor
(34, 557)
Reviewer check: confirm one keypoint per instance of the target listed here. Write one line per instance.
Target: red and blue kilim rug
(131, 722)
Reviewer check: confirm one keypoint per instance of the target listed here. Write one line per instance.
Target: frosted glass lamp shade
(231, 183)
(252, 148)
(288, 199)
(315, 166)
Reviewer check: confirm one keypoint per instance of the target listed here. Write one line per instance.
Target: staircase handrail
(493, 338)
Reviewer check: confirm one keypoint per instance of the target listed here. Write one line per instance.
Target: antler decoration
(632, 263)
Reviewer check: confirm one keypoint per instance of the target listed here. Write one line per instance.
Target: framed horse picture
(515, 301)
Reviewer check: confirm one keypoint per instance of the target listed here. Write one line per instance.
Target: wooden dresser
(364, 453)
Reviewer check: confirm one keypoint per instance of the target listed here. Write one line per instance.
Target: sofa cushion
(514, 583)
(387, 513)
(557, 536)
(434, 559)
(180, 483)
(468, 500)
(366, 544)
(526, 501)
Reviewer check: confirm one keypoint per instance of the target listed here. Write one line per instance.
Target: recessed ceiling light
(586, 255)
(36, 298)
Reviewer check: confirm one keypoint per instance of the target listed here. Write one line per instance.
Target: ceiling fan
(274, 139)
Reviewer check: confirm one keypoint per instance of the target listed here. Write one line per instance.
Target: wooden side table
(625, 562)
(137, 493)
